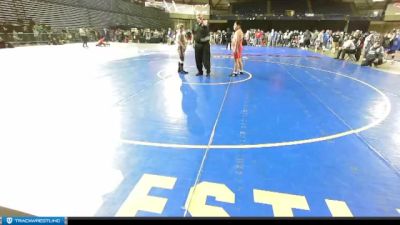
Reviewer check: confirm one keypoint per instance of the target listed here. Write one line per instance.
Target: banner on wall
(393, 12)
(176, 8)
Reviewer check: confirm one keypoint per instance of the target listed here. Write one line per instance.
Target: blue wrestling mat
(298, 134)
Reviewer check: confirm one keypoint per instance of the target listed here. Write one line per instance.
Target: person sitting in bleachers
(374, 55)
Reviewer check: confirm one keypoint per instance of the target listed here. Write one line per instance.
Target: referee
(202, 45)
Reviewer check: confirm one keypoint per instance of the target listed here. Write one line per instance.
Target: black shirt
(336, 37)
(201, 33)
(229, 36)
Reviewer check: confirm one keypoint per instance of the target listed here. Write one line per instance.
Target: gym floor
(116, 131)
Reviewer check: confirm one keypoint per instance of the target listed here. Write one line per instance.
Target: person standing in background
(335, 41)
(228, 39)
(83, 33)
(307, 39)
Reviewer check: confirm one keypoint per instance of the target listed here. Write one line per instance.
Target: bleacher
(331, 7)
(55, 15)
(78, 13)
(117, 6)
(323, 8)
(7, 11)
(278, 7)
(250, 8)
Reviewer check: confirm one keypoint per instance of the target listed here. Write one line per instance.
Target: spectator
(394, 43)
(228, 39)
(307, 39)
(335, 41)
(286, 38)
(348, 48)
(2, 43)
(374, 55)
(83, 32)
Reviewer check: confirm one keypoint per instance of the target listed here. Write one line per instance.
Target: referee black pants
(202, 54)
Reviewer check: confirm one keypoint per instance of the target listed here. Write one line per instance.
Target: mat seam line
(208, 148)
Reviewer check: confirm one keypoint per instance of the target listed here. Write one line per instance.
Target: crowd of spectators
(31, 32)
(142, 35)
(370, 47)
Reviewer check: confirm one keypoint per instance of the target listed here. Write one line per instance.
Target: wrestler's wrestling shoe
(181, 70)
